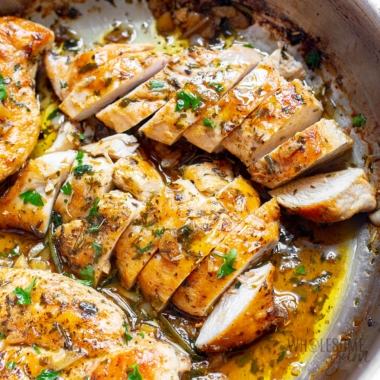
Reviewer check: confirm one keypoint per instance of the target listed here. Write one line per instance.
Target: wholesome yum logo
(346, 351)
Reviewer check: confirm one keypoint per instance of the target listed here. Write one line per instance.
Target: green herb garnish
(53, 114)
(15, 252)
(156, 84)
(158, 232)
(24, 295)
(187, 100)
(36, 349)
(128, 337)
(67, 189)
(135, 374)
(208, 123)
(32, 197)
(227, 266)
(79, 136)
(79, 157)
(300, 270)
(48, 374)
(142, 249)
(313, 59)
(82, 169)
(87, 275)
(281, 356)
(3, 89)
(88, 67)
(63, 84)
(248, 46)
(218, 87)
(359, 121)
(98, 251)
(10, 365)
(94, 209)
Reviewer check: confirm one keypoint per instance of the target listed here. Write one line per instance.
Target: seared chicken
(150, 96)
(209, 177)
(28, 203)
(91, 241)
(243, 314)
(255, 236)
(328, 198)
(199, 94)
(73, 329)
(138, 176)
(68, 138)
(21, 43)
(89, 179)
(110, 81)
(113, 147)
(277, 119)
(169, 209)
(317, 144)
(65, 71)
(181, 250)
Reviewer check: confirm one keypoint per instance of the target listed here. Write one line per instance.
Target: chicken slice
(169, 209)
(77, 331)
(328, 198)
(200, 93)
(209, 177)
(67, 138)
(138, 176)
(242, 315)
(21, 43)
(113, 147)
(27, 205)
(251, 240)
(65, 71)
(91, 241)
(277, 119)
(89, 179)
(181, 250)
(110, 81)
(316, 145)
(150, 96)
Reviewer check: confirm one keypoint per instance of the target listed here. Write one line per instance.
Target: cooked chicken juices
(198, 238)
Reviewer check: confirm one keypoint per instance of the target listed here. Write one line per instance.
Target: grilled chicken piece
(252, 239)
(317, 144)
(138, 176)
(78, 332)
(91, 241)
(242, 315)
(113, 147)
(89, 179)
(67, 138)
(278, 118)
(209, 177)
(181, 250)
(65, 71)
(109, 81)
(200, 93)
(150, 96)
(287, 66)
(21, 43)
(28, 203)
(168, 210)
(328, 198)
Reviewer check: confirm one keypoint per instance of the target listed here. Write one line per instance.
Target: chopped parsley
(1, 336)
(79, 136)
(218, 87)
(227, 266)
(158, 232)
(48, 374)
(56, 218)
(156, 84)
(98, 251)
(87, 275)
(35, 348)
(94, 228)
(142, 249)
(187, 100)
(67, 189)
(94, 209)
(24, 295)
(10, 365)
(88, 67)
(135, 374)
(32, 197)
(3, 89)
(82, 169)
(313, 59)
(15, 252)
(63, 84)
(300, 270)
(79, 157)
(16, 67)
(248, 46)
(281, 356)
(141, 333)
(53, 114)
(128, 337)
(208, 123)
(359, 121)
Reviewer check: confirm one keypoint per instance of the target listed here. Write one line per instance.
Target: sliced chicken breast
(21, 44)
(277, 119)
(200, 93)
(28, 204)
(181, 250)
(209, 177)
(65, 71)
(316, 145)
(110, 81)
(91, 241)
(89, 179)
(328, 198)
(150, 96)
(243, 314)
(113, 147)
(68, 138)
(168, 210)
(254, 237)
(77, 331)
(138, 176)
